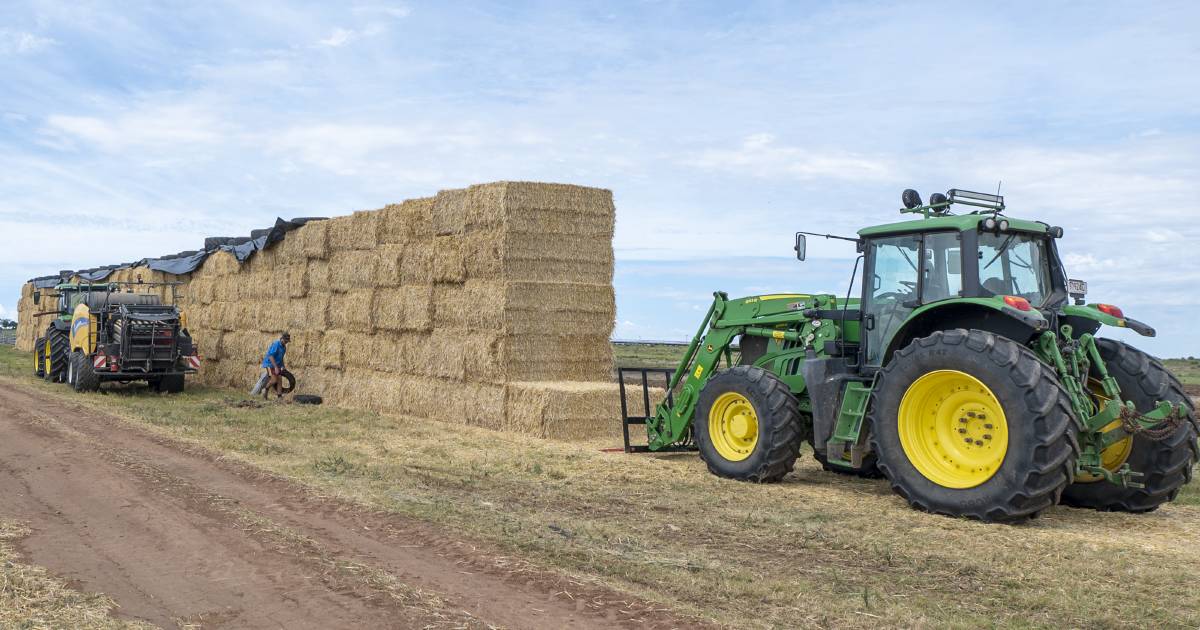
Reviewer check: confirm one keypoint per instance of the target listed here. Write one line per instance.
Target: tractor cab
(978, 264)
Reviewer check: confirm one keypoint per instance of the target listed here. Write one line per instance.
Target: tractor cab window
(942, 272)
(1015, 263)
(891, 287)
(893, 290)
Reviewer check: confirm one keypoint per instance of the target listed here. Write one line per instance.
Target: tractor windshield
(1015, 263)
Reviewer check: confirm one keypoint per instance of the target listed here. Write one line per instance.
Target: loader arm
(671, 423)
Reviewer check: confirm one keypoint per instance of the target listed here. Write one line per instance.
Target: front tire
(1167, 464)
(970, 424)
(748, 425)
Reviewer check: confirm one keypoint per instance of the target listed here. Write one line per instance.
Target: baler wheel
(748, 425)
(83, 377)
(968, 423)
(1167, 463)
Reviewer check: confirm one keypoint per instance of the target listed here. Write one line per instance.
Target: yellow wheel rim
(1118, 452)
(953, 429)
(46, 356)
(733, 426)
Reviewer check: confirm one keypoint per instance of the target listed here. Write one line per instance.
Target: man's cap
(286, 335)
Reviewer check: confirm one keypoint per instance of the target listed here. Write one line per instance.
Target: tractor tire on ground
(307, 399)
(748, 425)
(1167, 464)
(869, 470)
(171, 384)
(39, 357)
(1019, 435)
(83, 373)
(57, 356)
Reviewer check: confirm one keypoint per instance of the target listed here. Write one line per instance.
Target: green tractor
(967, 373)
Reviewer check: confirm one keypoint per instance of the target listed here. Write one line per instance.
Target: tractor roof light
(988, 224)
(1017, 302)
(1109, 309)
(1003, 225)
(1055, 232)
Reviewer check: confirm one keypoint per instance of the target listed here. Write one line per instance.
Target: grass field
(818, 549)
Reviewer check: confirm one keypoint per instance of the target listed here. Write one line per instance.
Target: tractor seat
(995, 285)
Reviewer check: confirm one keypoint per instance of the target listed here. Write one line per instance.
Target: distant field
(648, 354)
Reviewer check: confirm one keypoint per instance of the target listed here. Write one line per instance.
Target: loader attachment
(638, 410)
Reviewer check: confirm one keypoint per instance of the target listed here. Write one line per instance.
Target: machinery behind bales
(967, 373)
(117, 331)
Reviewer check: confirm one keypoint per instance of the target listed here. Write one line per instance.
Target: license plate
(1076, 287)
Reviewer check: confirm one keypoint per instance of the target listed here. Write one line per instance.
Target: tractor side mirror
(37, 297)
(801, 247)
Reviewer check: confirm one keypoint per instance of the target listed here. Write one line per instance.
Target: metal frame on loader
(967, 372)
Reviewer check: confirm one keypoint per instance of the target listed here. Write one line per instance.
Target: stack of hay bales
(28, 326)
(491, 306)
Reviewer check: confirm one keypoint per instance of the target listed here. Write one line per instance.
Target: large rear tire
(748, 425)
(1166, 464)
(57, 355)
(967, 423)
(39, 357)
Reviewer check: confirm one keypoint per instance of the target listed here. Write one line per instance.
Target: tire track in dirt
(178, 535)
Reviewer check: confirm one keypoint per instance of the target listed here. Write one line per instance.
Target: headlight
(989, 224)
(1003, 225)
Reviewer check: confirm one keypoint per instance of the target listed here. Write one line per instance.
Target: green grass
(648, 354)
(1187, 371)
(816, 550)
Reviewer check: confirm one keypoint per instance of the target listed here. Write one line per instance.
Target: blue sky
(720, 127)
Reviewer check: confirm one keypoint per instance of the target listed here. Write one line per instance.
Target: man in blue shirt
(273, 361)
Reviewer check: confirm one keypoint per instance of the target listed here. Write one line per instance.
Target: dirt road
(180, 537)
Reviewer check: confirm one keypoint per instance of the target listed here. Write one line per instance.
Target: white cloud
(150, 126)
(22, 43)
(339, 37)
(393, 11)
(760, 156)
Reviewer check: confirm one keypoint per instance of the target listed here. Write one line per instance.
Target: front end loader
(967, 372)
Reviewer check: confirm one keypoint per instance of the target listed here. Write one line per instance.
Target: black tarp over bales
(241, 247)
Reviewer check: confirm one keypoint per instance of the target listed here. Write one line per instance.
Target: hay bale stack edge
(490, 305)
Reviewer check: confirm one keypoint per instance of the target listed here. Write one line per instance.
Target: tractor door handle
(869, 322)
